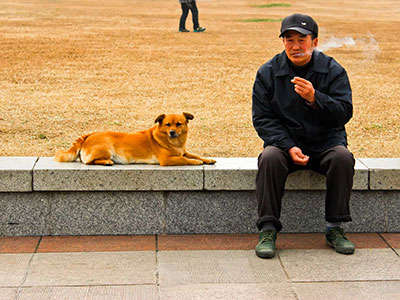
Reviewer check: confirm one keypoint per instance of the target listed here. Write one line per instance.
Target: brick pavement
(183, 267)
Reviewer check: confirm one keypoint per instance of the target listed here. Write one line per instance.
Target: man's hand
(304, 88)
(298, 157)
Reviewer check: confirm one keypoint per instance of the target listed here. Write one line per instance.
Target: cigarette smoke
(335, 42)
(369, 45)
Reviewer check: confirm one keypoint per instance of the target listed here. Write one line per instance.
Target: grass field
(72, 67)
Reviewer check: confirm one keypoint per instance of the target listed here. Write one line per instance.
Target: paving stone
(367, 240)
(16, 173)
(384, 173)
(92, 268)
(16, 244)
(97, 243)
(8, 294)
(249, 241)
(102, 213)
(318, 241)
(75, 176)
(261, 291)
(198, 267)
(13, 268)
(137, 292)
(370, 290)
(207, 242)
(393, 239)
(327, 265)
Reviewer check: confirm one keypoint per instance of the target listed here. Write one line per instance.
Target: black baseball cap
(300, 23)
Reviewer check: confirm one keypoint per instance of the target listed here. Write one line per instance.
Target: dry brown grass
(71, 67)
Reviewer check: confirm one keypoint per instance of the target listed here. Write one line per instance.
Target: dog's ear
(159, 119)
(188, 116)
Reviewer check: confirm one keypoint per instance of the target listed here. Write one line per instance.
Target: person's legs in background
(195, 14)
(182, 22)
(195, 17)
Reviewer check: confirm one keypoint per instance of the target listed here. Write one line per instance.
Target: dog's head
(174, 125)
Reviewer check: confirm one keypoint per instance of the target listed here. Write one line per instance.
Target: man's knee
(342, 156)
(271, 156)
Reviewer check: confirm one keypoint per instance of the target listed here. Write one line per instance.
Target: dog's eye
(178, 124)
(168, 124)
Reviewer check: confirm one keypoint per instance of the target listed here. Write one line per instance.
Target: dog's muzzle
(173, 134)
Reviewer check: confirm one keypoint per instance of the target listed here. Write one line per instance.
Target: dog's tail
(72, 153)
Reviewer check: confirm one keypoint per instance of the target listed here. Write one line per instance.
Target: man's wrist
(312, 98)
(312, 105)
(311, 102)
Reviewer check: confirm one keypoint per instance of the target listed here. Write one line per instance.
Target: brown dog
(164, 144)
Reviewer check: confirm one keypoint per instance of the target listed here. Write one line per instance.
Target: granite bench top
(25, 174)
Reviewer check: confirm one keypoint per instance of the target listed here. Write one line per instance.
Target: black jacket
(282, 118)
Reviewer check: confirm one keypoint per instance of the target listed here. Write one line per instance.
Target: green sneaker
(183, 30)
(199, 29)
(266, 244)
(336, 239)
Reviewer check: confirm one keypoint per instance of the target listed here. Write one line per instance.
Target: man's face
(299, 47)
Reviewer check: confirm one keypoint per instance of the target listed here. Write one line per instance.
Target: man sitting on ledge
(301, 102)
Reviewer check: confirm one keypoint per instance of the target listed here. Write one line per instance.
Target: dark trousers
(274, 165)
(185, 11)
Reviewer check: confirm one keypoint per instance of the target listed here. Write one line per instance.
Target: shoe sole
(341, 250)
(265, 255)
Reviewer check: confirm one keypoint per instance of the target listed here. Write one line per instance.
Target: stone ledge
(26, 174)
(42, 197)
(49, 175)
(16, 173)
(384, 173)
(238, 173)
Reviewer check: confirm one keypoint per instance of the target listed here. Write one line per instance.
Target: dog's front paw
(209, 161)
